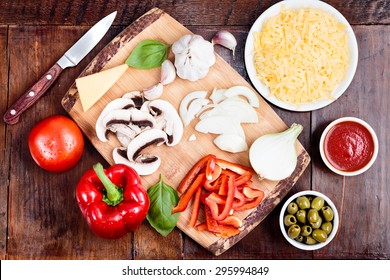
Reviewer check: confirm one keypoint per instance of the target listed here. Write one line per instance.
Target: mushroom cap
(174, 126)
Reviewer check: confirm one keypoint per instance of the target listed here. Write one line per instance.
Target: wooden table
(39, 216)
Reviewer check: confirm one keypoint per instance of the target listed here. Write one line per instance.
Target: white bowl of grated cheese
(300, 70)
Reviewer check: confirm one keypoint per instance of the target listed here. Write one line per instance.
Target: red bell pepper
(112, 201)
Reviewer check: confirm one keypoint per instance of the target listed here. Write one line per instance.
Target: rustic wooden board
(177, 160)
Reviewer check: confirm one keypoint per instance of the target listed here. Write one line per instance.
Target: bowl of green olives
(309, 220)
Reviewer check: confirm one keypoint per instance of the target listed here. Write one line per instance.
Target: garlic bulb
(193, 57)
(274, 156)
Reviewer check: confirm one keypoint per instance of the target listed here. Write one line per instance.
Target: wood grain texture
(362, 200)
(4, 143)
(226, 12)
(45, 222)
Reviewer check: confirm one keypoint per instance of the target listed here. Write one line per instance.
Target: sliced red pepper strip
(201, 226)
(228, 172)
(231, 221)
(227, 231)
(216, 198)
(191, 175)
(195, 207)
(212, 185)
(210, 167)
(186, 197)
(228, 204)
(223, 189)
(247, 176)
(251, 193)
(212, 225)
(241, 200)
(253, 203)
(216, 173)
(235, 167)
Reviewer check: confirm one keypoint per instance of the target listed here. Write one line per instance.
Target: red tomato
(56, 143)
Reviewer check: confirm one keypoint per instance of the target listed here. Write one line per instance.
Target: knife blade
(70, 59)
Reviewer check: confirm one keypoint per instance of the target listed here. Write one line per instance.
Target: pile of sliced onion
(229, 109)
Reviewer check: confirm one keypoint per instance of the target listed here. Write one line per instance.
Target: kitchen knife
(70, 59)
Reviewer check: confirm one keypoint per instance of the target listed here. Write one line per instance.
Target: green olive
(289, 220)
(306, 230)
(319, 235)
(303, 202)
(310, 240)
(327, 227)
(299, 239)
(301, 216)
(313, 216)
(316, 224)
(317, 203)
(292, 208)
(294, 231)
(327, 213)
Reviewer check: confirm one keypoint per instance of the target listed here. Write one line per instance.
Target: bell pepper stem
(114, 194)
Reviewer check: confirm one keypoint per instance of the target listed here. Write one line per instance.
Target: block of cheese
(92, 87)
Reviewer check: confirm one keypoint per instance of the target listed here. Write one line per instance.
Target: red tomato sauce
(348, 146)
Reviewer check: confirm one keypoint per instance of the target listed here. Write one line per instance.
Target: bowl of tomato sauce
(349, 146)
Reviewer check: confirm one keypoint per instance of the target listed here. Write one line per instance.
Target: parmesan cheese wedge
(92, 87)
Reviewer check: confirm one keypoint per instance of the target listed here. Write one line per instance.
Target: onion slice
(231, 143)
(243, 91)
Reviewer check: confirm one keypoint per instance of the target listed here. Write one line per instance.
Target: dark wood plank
(232, 12)
(44, 219)
(362, 201)
(4, 144)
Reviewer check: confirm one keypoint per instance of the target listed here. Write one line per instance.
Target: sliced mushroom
(119, 103)
(123, 138)
(144, 166)
(117, 120)
(174, 125)
(142, 119)
(144, 139)
(136, 96)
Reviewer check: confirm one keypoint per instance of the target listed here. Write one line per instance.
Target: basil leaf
(162, 199)
(148, 54)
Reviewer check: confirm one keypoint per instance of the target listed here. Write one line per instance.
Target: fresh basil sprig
(162, 199)
(148, 54)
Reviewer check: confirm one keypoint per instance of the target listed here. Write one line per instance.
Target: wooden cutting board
(177, 160)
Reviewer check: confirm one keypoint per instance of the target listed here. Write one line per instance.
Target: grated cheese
(301, 55)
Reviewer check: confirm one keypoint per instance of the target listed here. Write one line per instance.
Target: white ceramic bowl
(296, 4)
(374, 138)
(304, 246)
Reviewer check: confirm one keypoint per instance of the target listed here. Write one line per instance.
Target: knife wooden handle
(13, 113)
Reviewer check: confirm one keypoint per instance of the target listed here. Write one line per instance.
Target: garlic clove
(168, 72)
(225, 39)
(154, 92)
